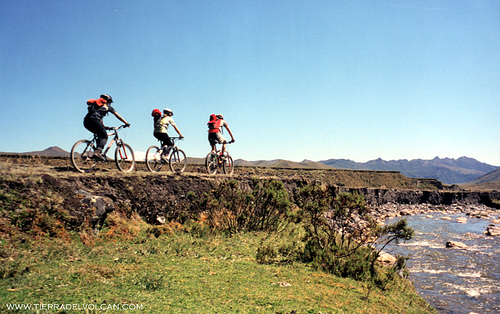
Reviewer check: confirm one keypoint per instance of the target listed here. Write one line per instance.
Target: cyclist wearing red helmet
(97, 109)
(161, 124)
(215, 126)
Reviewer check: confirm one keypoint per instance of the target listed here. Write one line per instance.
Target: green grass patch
(181, 269)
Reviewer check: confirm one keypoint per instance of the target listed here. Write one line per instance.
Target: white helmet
(168, 111)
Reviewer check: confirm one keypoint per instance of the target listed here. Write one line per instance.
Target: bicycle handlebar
(114, 128)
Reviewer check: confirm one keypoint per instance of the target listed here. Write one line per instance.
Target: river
(450, 279)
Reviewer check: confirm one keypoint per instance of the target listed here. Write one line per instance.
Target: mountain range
(446, 170)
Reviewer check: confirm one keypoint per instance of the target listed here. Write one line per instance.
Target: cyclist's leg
(97, 127)
(222, 141)
(212, 139)
(166, 142)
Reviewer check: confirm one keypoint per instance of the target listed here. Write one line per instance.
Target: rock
(100, 205)
(492, 230)
(461, 220)
(281, 284)
(446, 218)
(386, 259)
(458, 245)
(161, 219)
(429, 216)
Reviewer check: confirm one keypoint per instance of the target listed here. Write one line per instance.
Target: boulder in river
(492, 230)
(458, 245)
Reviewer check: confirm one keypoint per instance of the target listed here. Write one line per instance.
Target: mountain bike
(176, 158)
(83, 159)
(215, 161)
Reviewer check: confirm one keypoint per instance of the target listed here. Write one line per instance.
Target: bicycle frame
(117, 139)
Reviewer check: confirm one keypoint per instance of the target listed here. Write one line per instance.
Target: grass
(174, 269)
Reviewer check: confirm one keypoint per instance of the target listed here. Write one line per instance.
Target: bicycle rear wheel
(124, 158)
(177, 161)
(82, 156)
(211, 163)
(228, 165)
(154, 161)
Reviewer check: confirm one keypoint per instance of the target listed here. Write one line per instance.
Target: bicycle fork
(121, 149)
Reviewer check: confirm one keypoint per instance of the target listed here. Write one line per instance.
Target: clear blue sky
(362, 79)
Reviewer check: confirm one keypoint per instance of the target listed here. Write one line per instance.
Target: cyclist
(97, 109)
(215, 132)
(161, 124)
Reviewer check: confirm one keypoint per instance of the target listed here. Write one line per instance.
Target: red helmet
(156, 113)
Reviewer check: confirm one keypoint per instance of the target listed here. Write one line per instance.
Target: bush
(341, 238)
(264, 208)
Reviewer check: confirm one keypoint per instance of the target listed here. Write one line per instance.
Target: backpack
(214, 124)
(98, 102)
(156, 113)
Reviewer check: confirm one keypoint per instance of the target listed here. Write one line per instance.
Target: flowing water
(450, 279)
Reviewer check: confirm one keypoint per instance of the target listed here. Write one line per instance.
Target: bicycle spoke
(124, 158)
(177, 161)
(82, 156)
(228, 165)
(211, 163)
(154, 161)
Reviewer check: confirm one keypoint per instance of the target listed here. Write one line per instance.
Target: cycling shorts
(216, 138)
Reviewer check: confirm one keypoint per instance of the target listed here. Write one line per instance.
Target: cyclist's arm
(229, 130)
(177, 130)
(120, 118)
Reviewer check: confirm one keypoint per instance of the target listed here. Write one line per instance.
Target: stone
(458, 245)
(386, 259)
(461, 220)
(100, 205)
(492, 230)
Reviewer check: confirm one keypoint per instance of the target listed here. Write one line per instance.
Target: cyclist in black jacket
(97, 109)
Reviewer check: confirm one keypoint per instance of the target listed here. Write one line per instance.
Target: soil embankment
(31, 181)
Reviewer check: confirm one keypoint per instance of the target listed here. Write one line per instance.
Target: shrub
(341, 238)
(229, 208)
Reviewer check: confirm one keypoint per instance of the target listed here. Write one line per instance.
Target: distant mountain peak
(54, 151)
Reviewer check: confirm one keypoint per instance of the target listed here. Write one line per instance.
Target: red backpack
(156, 113)
(214, 124)
(98, 102)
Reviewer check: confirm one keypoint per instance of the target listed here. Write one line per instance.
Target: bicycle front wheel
(124, 158)
(154, 161)
(81, 156)
(211, 163)
(177, 161)
(228, 165)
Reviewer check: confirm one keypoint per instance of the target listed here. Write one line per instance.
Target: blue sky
(362, 79)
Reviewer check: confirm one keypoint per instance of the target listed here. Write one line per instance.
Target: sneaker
(98, 155)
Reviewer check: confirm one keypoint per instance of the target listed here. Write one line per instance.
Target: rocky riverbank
(476, 211)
